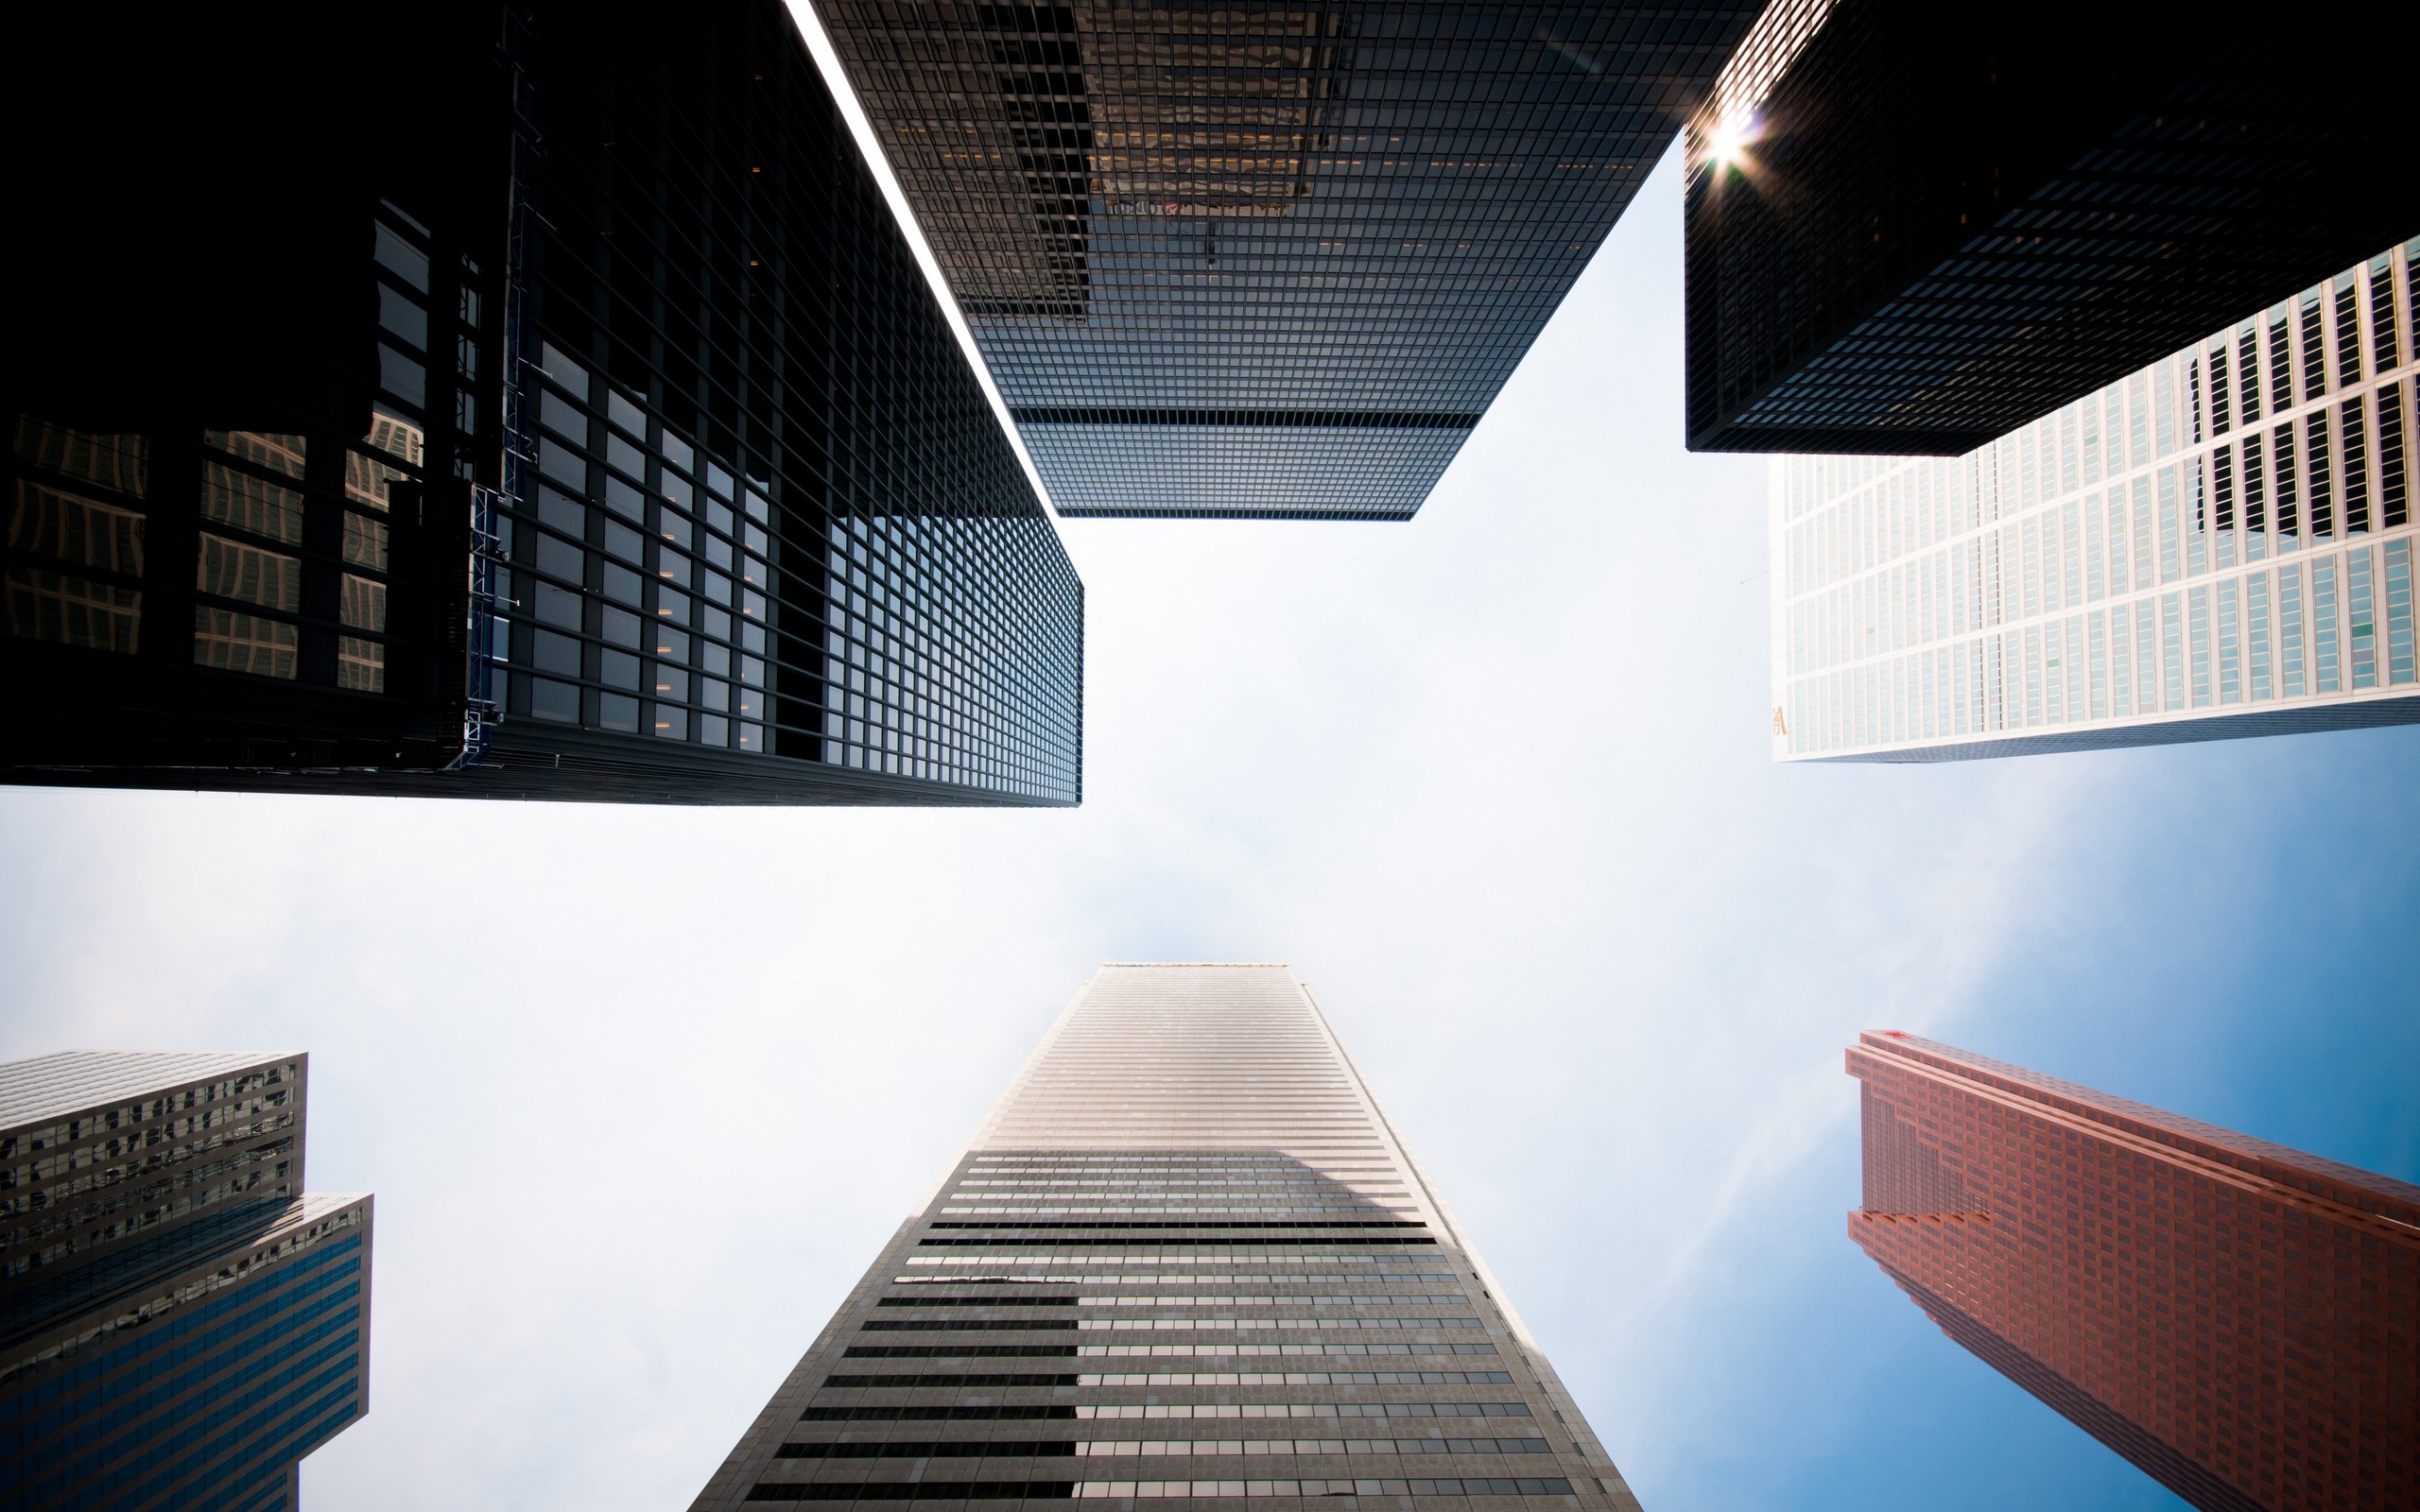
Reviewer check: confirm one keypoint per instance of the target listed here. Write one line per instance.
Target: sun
(1729, 141)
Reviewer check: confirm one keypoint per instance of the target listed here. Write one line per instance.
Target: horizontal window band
(977, 1301)
(1203, 1378)
(1146, 1324)
(958, 1351)
(1357, 1239)
(1443, 1486)
(916, 1491)
(1153, 1447)
(951, 1381)
(1144, 1351)
(933, 1414)
(1301, 1378)
(1219, 1411)
(955, 1325)
(1063, 1490)
(927, 1448)
(1338, 420)
(1313, 1223)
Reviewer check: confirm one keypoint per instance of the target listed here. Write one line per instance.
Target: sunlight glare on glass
(1730, 140)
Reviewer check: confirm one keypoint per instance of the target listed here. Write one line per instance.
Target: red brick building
(2239, 1320)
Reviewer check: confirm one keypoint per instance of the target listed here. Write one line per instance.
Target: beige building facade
(1185, 1259)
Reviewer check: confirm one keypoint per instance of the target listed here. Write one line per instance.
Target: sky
(641, 1091)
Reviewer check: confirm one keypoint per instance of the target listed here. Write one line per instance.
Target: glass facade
(2233, 1317)
(1269, 261)
(1186, 1233)
(613, 447)
(765, 509)
(180, 1323)
(2220, 544)
(1911, 230)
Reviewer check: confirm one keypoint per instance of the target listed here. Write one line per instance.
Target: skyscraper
(2239, 1320)
(180, 1320)
(1187, 1231)
(593, 433)
(2217, 545)
(1913, 229)
(1271, 260)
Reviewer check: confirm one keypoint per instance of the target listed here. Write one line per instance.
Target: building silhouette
(1267, 261)
(2237, 1320)
(1186, 1257)
(180, 1320)
(590, 434)
(2220, 544)
(1914, 230)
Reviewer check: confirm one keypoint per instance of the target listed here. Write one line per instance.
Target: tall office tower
(554, 410)
(2236, 1318)
(1914, 228)
(180, 1321)
(1188, 1232)
(1271, 260)
(2220, 544)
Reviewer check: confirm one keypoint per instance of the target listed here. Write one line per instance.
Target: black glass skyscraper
(1913, 228)
(180, 1321)
(518, 402)
(1267, 260)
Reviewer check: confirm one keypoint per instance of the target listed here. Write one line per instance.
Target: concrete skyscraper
(2220, 544)
(1185, 1233)
(180, 1320)
(2239, 1320)
(1269, 260)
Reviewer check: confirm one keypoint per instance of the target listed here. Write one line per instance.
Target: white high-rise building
(2219, 546)
(1186, 1259)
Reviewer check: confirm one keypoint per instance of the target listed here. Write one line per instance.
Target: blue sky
(641, 1091)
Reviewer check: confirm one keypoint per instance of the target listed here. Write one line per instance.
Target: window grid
(2011, 542)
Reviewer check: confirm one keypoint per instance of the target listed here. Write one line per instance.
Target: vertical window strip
(2230, 645)
(2289, 631)
(2171, 627)
(2282, 439)
(2317, 474)
(2221, 420)
(2247, 362)
(2256, 500)
(2383, 344)
(2255, 618)
(2353, 445)
(2122, 663)
(2400, 667)
(2097, 646)
(2197, 614)
(2314, 350)
(2197, 542)
(2146, 659)
(2360, 624)
(2394, 507)
(2170, 555)
(2072, 657)
(2070, 556)
(2281, 366)
(2096, 585)
(2032, 675)
(2327, 672)
(2348, 332)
